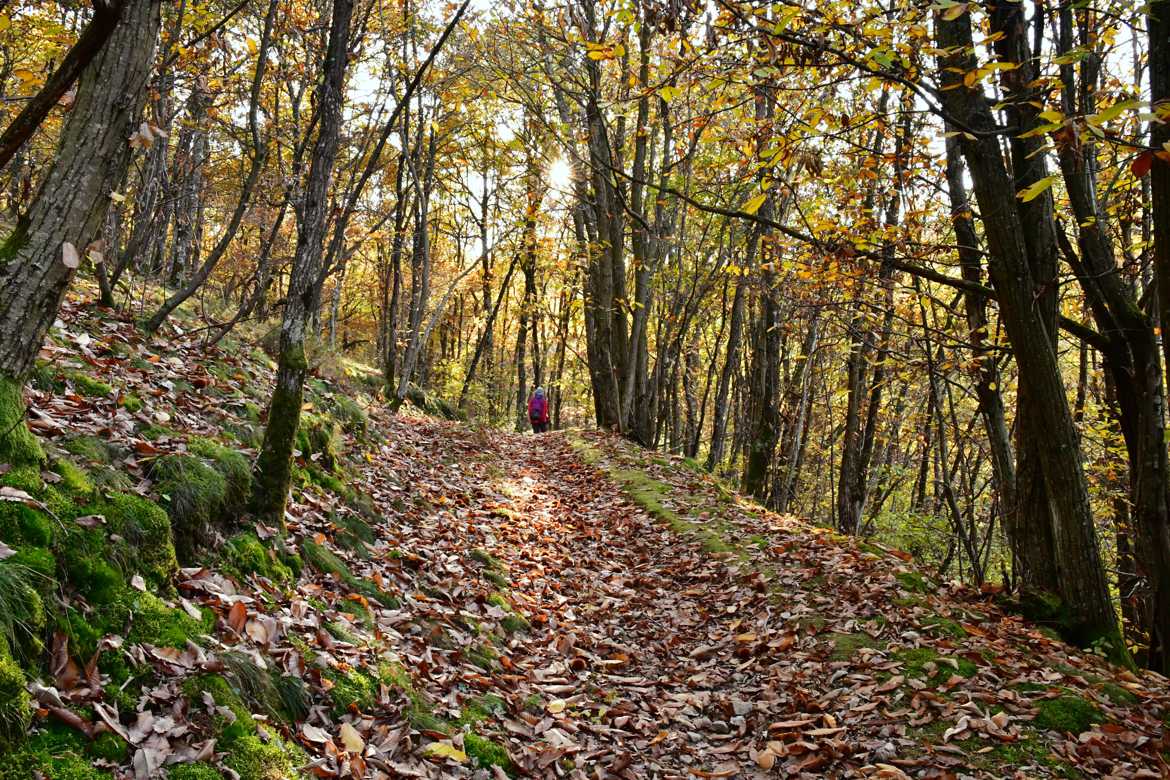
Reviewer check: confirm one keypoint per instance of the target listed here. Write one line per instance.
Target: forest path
(678, 631)
(632, 610)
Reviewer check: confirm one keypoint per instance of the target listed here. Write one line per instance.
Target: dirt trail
(768, 648)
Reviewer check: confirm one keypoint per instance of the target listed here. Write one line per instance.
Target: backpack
(536, 409)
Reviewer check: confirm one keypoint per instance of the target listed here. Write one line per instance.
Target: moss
(109, 746)
(713, 543)
(499, 600)
(352, 689)
(912, 581)
(1119, 695)
(158, 432)
(486, 752)
(513, 623)
(845, 645)
(131, 403)
(193, 772)
(39, 560)
(141, 618)
(320, 440)
(194, 494)
(234, 466)
(87, 570)
(923, 662)
(44, 377)
(487, 559)
(22, 611)
(944, 627)
(15, 703)
(74, 480)
(650, 494)
(146, 530)
(483, 656)
(245, 554)
(89, 448)
(481, 708)
(254, 759)
(324, 479)
(18, 445)
(228, 730)
(497, 579)
(57, 752)
(351, 415)
(1067, 714)
(342, 632)
(24, 525)
(87, 386)
(326, 561)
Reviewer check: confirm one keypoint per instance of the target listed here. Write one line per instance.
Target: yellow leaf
(1036, 190)
(252, 47)
(5, 23)
(954, 12)
(445, 750)
(753, 205)
(352, 739)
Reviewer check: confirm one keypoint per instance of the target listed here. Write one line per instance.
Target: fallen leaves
(629, 650)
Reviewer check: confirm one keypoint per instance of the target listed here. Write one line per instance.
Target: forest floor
(449, 600)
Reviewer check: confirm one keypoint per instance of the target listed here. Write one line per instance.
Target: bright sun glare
(560, 174)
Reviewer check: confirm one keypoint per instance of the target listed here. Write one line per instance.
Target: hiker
(538, 411)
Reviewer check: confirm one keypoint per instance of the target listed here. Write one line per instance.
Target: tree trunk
(1080, 576)
(70, 208)
(274, 465)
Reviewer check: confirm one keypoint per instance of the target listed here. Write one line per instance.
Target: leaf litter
(587, 625)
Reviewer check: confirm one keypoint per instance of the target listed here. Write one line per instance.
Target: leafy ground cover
(448, 601)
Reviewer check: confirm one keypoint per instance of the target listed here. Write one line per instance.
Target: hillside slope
(446, 601)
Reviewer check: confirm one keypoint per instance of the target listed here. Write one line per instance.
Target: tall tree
(273, 469)
(39, 257)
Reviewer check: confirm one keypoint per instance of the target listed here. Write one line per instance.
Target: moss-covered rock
(1067, 714)
(15, 703)
(145, 527)
(75, 480)
(57, 752)
(22, 524)
(244, 554)
(88, 386)
(254, 759)
(234, 466)
(89, 448)
(193, 494)
(486, 752)
(350, 414)
(18, 445)
(320, 440)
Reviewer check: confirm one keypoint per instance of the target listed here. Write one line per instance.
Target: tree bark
(273, 469)
(1080, 576)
